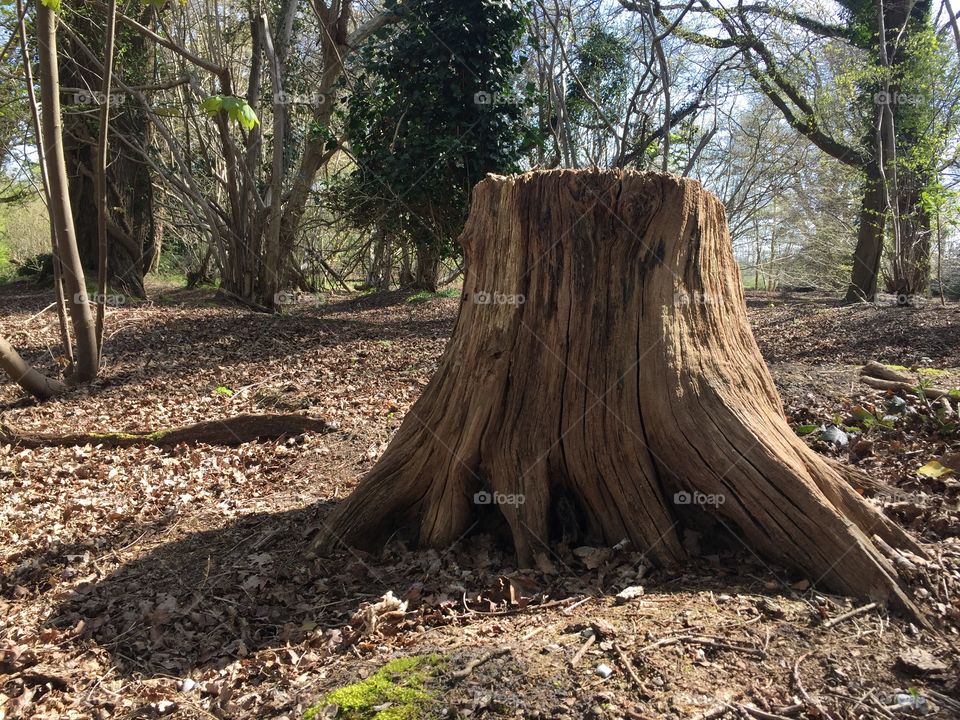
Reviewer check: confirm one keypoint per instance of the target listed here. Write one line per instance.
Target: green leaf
(245, 115)
(213, 104)
(225, 391)
(52, 4)
(237, 109)
(934, 469)
(807, 429)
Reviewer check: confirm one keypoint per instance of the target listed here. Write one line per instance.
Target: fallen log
(884, 372)
(228, 431)
(881, 377)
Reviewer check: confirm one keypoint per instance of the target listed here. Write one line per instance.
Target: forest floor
(154, 582)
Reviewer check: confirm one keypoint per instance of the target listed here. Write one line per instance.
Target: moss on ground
(424, 295)
(920, 371)
(397, 691)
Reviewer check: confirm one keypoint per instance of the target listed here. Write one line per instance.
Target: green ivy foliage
(435, 108)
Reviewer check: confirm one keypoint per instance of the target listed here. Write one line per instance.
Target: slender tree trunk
(406, 277)
(276, 255)
(381, 259)
(87, 356)
(27, 57)
(103, 147)
(603, 357)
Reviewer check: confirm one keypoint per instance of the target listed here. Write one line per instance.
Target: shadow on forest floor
(215, 596)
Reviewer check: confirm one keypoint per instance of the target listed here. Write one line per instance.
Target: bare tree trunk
(406, 277)
(27, 58)
(103, 147)
(911, 269)
(381, 260)
(275, 257)
(603, 355)
(61, 215)
(869, 249)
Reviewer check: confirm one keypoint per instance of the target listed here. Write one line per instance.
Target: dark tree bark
(426, 268)
(603, 355)
(131, 243)
(870, 234)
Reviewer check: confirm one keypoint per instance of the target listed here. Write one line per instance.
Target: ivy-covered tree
(599, 94)
(434, 110)
(133, 237)
(895, 118)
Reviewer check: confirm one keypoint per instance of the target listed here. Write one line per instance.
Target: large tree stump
(627, 380)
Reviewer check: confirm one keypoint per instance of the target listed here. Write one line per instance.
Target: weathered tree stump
(603, 355)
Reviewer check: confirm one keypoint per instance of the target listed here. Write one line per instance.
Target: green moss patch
(397, 691)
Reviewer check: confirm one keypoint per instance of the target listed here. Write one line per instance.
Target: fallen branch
(229, 431)
(884, 372)
(583, 648)
(912, 388)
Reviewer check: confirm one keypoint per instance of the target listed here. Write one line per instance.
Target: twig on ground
(803, 691)
(628, 666)
(849, 614)
(578, 603)
(477, 662)
(514, 611)
(705, 641)
(586, 646)
(759, 714)
(717, 711)
(48, 307)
